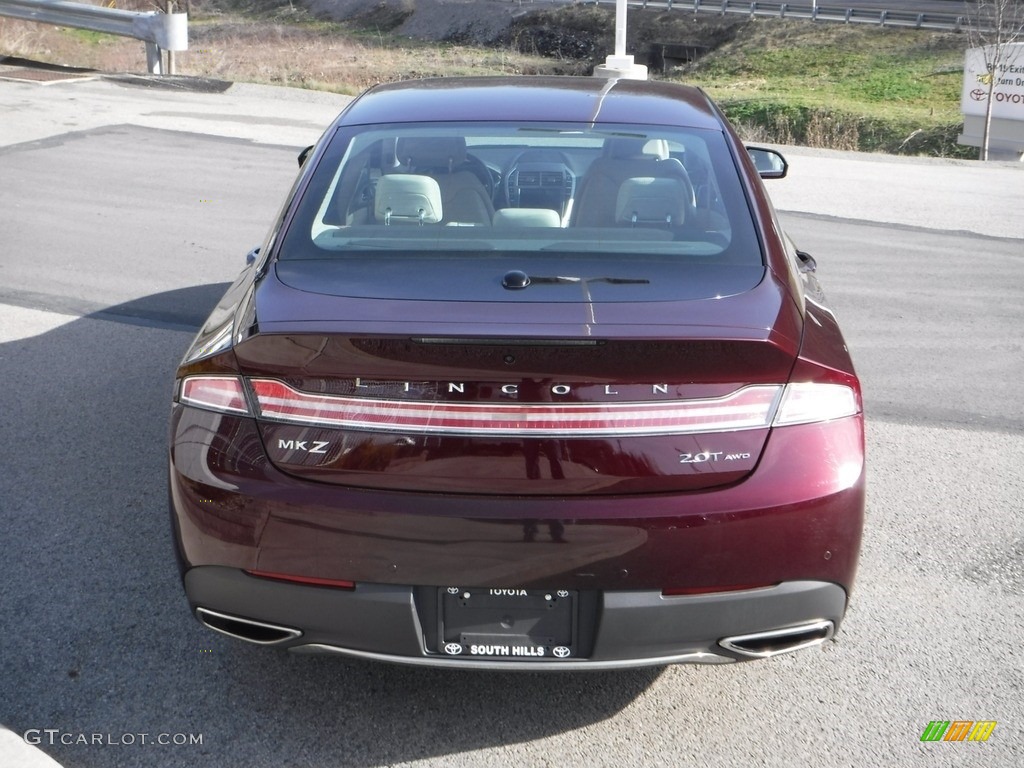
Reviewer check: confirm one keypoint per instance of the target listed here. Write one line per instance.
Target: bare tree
(994, 26)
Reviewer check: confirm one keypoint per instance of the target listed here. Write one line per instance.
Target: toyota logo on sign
(453, 649)
(561, 651)
(979, 95)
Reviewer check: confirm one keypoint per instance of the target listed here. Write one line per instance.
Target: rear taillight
(806, 402)
(215, 393)
(748, 408)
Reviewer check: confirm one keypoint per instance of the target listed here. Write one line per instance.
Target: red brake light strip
(747, 408)
(217, 393)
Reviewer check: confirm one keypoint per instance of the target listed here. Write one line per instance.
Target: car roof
(533, 99)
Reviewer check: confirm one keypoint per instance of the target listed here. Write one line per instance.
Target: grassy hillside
(848, 87)
(791, 82)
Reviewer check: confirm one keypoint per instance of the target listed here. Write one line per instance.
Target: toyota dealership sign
(1008, 95)
(1006, 80)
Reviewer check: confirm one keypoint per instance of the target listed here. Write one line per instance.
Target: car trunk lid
(680, 401)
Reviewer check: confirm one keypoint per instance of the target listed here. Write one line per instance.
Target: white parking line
(22, 323)
(16, 753)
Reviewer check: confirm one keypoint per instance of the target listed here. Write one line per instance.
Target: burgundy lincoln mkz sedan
(526, 375)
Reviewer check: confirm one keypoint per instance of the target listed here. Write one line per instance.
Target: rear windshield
(465, 191)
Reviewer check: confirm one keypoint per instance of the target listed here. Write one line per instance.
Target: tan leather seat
(647, 201)
(406, 198)
(623, 159)
(527, 217)
(444, 158)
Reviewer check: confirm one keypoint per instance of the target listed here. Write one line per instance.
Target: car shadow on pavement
(99, 646)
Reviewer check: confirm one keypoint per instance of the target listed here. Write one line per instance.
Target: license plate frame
(523, 625)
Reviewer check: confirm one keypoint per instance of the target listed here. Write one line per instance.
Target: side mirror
(769, 163)
(807, 262)
(252, 255)
(304, 154)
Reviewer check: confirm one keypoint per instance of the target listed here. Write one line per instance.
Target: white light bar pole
(620, 27)
(620, 65)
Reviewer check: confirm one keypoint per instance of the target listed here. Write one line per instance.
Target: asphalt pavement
(125, 210)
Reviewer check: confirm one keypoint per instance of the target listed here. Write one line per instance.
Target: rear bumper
(788, 535)
(620, 629)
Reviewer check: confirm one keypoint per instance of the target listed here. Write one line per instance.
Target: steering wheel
(479, 168)
(531, 156)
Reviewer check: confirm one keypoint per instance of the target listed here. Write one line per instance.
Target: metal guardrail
(166, 31)
(818, 12)
(805, 10)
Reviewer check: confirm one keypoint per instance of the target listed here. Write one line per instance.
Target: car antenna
(619, 65)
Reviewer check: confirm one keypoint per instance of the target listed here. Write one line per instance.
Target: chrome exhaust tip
(764, 645)
(251, 631)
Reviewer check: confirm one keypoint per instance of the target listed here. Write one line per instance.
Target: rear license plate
(513, 624)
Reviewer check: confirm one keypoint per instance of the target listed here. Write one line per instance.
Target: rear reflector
(747, 408)
(680, 591)
(217, 393)
(311, 580)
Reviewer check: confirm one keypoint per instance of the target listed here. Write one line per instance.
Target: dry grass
(304, 54)
(314, 58)
(71, 47)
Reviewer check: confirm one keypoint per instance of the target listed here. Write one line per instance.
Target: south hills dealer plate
(507, 624)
